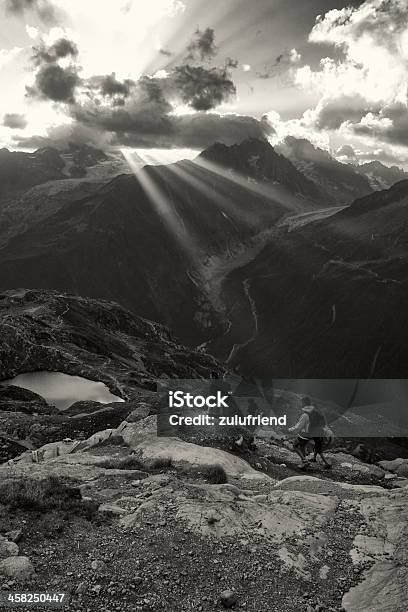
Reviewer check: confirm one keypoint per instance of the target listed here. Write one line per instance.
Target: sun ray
(214, 193)
(157, 156)
(163, 207)
(275, 193)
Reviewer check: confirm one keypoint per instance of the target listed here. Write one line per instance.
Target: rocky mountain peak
(257, 159)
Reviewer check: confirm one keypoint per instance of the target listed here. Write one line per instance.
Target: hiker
(311, 426)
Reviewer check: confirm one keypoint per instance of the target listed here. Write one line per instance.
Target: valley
(257, 257)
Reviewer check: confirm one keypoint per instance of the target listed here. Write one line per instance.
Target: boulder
(228, 598)
(111, 509)
(98, 566)
(141, 411)
(15, 535)
(392, 466)
(313, 484)
(143, 438)
(402, 470)
(347, 462)
(8, 549)
(17, 568)
(384, 587)
(281, 454)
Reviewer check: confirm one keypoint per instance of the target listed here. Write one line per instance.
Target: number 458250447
(35, 598)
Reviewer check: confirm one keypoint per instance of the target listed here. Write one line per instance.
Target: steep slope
(326, 299)
(112, 245)
(342, 182)
(48, 331)
(373, 230)
(57, 332)
(381, 176)
(19, 171)
(259, 161)
(24, 210)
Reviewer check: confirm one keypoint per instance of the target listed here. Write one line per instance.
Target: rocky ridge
(342, 183)
(97, 340)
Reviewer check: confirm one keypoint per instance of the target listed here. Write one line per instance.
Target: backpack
(317, 422)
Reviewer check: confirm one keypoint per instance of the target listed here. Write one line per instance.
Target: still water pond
(62, 390)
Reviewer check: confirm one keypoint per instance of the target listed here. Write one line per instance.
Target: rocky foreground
(154, 527)
(94, 504)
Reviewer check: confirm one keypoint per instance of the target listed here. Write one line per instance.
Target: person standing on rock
(311, 425)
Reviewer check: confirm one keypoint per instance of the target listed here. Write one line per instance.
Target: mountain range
(119, 240)
(326, 300)
(272, 270)
(381, 176)
(342, 183)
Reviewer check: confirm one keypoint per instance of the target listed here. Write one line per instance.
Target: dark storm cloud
(203, 45)
(153, 91)
(43, 8)
(14, 121)
(52, 53)
(145, 110)
(200, 87)
(202, 129)
(55, 83)
(64, 47)
(203, 89)
(140, 113)
(146, 120)
(61, 136)
(198, 131)
(110, 86)
(153, 130)
(52, 81)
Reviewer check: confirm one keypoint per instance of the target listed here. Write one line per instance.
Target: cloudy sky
(184, 73)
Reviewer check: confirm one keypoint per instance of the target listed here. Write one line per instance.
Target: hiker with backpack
(311, 426)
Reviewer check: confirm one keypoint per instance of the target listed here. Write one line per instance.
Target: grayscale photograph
(203, 305)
